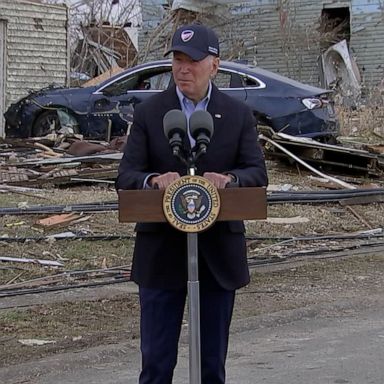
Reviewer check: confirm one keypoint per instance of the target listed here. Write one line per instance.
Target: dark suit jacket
(160, 255)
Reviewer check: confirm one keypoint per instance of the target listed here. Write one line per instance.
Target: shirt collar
(184, 101)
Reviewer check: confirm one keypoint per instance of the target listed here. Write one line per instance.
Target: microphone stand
(194, 306)
(174, 122)
(189, 159)
(193, 290)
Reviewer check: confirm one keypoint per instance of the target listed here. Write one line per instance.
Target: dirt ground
(79, 322)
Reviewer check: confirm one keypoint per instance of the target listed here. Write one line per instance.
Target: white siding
(367, 39)
(37, 46)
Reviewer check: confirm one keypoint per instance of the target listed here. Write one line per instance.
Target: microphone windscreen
(201, 121)
(174, 121)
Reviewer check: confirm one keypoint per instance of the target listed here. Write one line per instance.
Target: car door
(111, 106)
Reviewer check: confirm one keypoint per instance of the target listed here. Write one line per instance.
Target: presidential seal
(191, 204)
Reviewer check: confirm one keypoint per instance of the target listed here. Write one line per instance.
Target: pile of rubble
(38, 162)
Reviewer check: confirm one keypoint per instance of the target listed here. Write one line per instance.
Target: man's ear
(215, 66)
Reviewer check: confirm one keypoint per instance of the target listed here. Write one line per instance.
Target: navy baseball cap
(195, 40)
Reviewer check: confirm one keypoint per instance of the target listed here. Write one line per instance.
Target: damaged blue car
(105, 111)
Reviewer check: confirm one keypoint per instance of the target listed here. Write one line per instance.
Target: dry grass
(77, 254)
(366, 121)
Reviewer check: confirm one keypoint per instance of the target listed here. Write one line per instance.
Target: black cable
(88, 207)
(19, 292)
(74, 237)
(318, 237)
(272, 198)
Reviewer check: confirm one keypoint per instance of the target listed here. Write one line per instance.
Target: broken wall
(283, 36)
(367, 39)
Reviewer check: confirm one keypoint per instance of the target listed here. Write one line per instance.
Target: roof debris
(306, 151)
(40, 162)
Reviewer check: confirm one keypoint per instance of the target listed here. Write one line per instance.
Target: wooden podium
(146, 205)
(235, 204)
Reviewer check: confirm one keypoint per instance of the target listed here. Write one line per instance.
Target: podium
(234, 204)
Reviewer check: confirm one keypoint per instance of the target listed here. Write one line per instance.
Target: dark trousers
(161, 319)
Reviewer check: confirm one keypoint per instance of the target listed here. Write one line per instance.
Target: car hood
(72, 98)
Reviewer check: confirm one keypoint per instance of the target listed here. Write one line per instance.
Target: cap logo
(187, 35)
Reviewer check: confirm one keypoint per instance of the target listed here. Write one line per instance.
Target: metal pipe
(194, 306)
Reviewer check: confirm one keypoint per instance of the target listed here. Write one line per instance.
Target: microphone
(175, 129)
(201, 129)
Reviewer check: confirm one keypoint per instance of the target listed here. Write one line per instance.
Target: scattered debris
(15, 224)
(35, 342)
(326, 155)
(290, 154)
(69, 280)
(357, 215)
(15, 278)
(51, 161)
(57, 220)
(49, 263)
(104, 76)
(286, 220)
(340, 72)
(316, 247)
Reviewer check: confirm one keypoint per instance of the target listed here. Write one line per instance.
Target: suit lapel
(215, 108)
(170, 99)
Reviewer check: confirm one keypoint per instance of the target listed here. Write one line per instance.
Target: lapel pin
(217, 115)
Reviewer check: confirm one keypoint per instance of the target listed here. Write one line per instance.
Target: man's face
(192, 77)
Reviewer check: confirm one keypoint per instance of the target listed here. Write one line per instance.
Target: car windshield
(151, 79)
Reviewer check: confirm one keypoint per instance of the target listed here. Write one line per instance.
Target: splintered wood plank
(57, 220)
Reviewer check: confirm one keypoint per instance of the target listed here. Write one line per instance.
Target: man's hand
(162, 181)
(218, 179)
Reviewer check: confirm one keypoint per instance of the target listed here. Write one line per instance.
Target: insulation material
(340, 71)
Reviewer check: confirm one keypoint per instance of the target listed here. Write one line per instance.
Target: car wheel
(49, 122)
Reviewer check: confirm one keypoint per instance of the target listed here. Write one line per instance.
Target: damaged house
(295, 38)
(33, 49)
(102, 48)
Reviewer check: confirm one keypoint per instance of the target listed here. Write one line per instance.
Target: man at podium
(160, 254)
